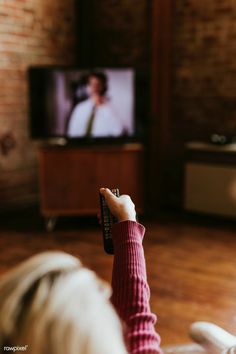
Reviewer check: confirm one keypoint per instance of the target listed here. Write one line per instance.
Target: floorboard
(191, 266)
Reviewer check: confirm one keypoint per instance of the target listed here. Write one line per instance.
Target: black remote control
(107, 220)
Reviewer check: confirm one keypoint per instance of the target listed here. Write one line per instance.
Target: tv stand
(70, 178)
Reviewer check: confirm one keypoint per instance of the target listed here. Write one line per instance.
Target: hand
(122, 208)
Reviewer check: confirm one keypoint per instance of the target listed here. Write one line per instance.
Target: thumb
(107, 194)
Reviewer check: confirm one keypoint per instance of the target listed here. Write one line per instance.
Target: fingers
(106, 192)
(122, 208)
(112, 201)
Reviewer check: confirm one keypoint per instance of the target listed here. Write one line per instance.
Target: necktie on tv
(90, 122)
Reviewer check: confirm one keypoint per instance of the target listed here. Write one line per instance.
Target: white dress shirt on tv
(106, 122)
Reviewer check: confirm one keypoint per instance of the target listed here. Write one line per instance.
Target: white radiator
(210, 188)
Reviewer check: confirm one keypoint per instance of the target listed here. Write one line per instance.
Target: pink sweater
(131, 292)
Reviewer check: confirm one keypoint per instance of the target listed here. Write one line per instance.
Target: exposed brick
(32, 32)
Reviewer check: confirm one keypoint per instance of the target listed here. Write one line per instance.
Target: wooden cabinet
(70, 177)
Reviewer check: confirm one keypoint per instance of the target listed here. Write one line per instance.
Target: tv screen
(82, 104)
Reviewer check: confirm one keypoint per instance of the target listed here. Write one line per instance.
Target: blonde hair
(53, 305)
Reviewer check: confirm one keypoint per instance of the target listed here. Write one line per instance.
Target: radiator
(210, 188)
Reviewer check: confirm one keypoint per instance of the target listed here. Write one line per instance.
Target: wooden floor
(191, 266)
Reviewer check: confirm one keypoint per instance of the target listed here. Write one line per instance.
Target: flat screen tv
(82, 104)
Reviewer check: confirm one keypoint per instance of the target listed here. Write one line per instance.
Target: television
(82, 104)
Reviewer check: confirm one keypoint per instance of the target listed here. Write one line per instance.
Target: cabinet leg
(50, 223)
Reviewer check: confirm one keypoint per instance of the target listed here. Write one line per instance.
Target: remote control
(107, 220)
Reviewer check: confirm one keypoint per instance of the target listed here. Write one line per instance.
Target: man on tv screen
(96, 116)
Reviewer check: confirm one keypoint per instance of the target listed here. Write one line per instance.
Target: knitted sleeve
(131, 292)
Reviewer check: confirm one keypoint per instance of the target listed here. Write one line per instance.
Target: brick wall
(204, 79)
(32, 32)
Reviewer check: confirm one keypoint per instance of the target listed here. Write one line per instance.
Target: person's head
(55, 306)
(97, 83)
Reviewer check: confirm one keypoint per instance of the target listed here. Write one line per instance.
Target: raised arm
(131, 292)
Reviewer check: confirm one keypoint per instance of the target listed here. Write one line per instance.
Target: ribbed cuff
(127, 231)
(128, 250)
